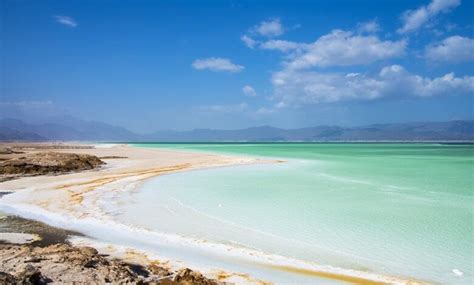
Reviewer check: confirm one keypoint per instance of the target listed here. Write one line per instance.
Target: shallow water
(398, 209)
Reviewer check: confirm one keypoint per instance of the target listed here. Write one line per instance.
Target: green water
(397, 209)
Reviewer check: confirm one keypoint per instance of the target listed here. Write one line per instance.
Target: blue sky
(150, 65)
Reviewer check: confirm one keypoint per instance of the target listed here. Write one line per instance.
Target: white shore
(72, 201)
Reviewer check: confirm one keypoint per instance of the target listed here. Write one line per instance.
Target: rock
(90, 264)
(5, 150)
(188, 277)
(34, 260)
(6, 278)
(66, 264)
(49, 163)
(31, 275)
(86, 250)
(38, 279)
(159, 270)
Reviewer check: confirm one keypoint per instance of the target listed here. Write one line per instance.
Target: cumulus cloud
(67, 21)
(281, 45)
(337, 48)
(265, 29)
(299, 87)
(271, 28)
(343, 48)
(368, 27)
(217, 64)
(250, 42)
(303, 79)
(249, 91)
(453, 49)
(415, 19)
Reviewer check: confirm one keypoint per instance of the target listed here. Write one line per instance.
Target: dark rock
(90, 264)
(37, 279)
(5, 150)
(6, 278)
(187, 276)
(34, 259)
(49, 163)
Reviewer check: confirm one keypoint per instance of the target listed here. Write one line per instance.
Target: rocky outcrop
(49, 163)
(5, 150)
(186, 276)
(65, 264)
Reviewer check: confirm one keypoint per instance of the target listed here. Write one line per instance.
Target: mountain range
(71, 129)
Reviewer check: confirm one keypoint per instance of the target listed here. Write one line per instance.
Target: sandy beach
(124, 166)
(73, 195)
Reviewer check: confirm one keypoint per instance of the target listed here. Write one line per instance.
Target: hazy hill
(69, 128)
(453, 130)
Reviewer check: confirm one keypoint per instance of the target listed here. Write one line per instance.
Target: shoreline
(53, 257)
(74, 191)
(65, 194)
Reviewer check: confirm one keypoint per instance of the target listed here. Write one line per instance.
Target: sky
(158, 65)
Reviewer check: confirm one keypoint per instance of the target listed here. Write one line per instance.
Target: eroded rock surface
(49, 163)
(65, 264)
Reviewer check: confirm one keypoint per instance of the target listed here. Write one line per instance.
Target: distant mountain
(428, 131)
(68, 128)
(7, 134)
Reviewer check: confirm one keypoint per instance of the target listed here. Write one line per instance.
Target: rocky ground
(52, 260)
(43, 163)
(65, 264)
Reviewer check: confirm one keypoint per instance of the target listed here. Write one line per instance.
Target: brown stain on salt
(76, 197)
(223, 276)
(339, 277)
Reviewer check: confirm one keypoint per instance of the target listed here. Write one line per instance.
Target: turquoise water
(398, 209)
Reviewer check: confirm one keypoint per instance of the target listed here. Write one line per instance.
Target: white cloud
(280, 105)
(272, 28)
(415, 19)
(342, 48)
(302, 81)
(250, 42)
(454, 49)
(297, 87)
(67, 21)
(270, 110)
(268, 29)
(281, 45)
(368, 27)
(217, 64)
(232, 108)
(249, 91)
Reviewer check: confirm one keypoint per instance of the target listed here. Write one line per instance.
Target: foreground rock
(49, 163)
(65, 264)
(6, 150)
